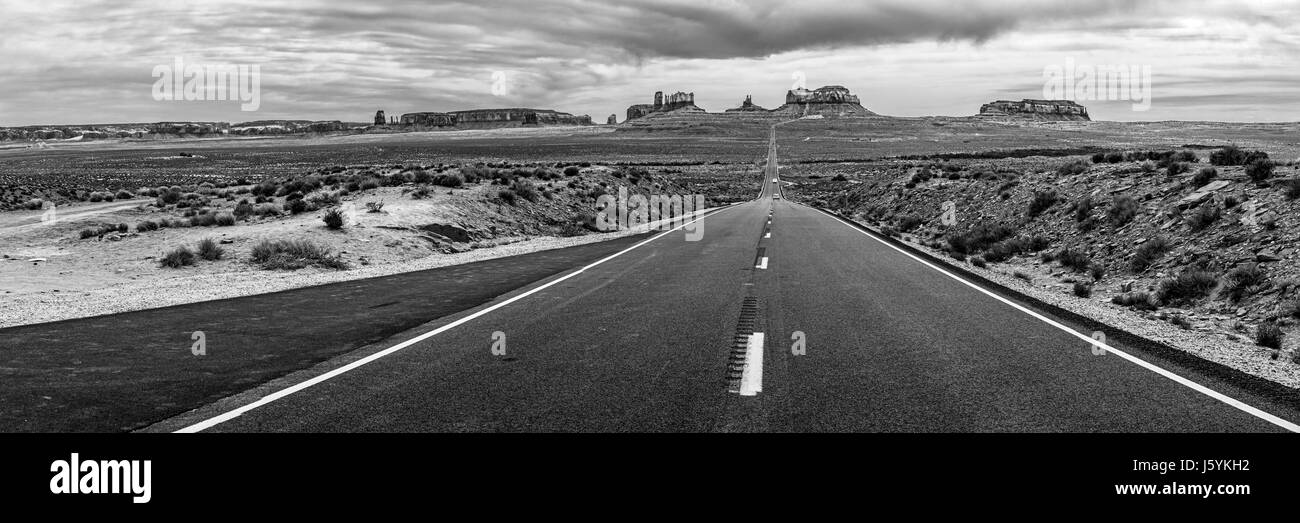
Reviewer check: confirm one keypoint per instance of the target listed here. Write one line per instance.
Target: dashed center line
(751, 380)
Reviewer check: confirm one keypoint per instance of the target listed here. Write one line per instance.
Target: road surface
(780, 318)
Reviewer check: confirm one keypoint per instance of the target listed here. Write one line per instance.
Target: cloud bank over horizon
(91, 62)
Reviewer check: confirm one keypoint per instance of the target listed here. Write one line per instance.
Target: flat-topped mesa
(679, 101)
(272, 127)
(428, 119)
(1064, 110)
(612, 120)
(493, 118)
(831, 100)
(747, 106)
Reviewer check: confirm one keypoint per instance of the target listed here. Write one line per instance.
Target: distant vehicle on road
(776, 197)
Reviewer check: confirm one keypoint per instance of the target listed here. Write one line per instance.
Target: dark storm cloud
(72, 61)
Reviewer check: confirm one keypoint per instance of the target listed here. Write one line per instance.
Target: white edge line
(751, 379)
(1147, 365)
(235, 413)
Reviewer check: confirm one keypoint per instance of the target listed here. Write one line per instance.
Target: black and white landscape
(661, 216)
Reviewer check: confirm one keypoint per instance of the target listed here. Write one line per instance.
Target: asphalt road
(856, 336)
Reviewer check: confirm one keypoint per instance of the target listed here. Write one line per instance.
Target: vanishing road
(778, 317)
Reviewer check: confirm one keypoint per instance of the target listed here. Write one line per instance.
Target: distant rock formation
(1066, 110)
(379, 118)
(519, 115)
(612, 120)
(277, 127)
(746, 106)
(831, 100)
(678, 101)
(429, 119)
(494, 118)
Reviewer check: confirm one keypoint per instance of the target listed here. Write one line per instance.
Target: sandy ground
(47, 273)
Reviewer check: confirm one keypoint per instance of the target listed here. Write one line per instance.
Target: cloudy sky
(68, 62)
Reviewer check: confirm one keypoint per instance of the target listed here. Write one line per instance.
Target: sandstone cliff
(1065, 110)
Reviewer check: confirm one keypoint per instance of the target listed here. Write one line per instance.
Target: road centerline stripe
(751, 380)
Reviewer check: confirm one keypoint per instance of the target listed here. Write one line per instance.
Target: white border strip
(232, 414)
(1144, 364)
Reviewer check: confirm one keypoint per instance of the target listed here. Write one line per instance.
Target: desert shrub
(294, 254)
(525, 189)
(909, 222)
(1181, 321)
(368, 184)
(1189, 286)
(1178, 168)
(1114, 157)
(206, 219)
(571, 170)
(1243, 280)
(1083, 209)
(323, 199)
(177, 258)
(1042, 201)
(1147, 167)
(1269, 335)
(1072, 167)
(1204, 176)
(147, 225)
(1290, 189)
(333, 219)
(1232, 155)
(839, 178)
(88, 233)
(978, 238)
(1148, 253)
(421, 192)
(225, 219)
(1205, 216)
(449, 180)
(1099, 158)
(1121, 211)
(209, 250)
(168, 197)
(1260, 170)
(1230, 201)
(1072, 259)
(1023, 276)
(124, 194)
(1137, 300)
(1097, 271)
(243, 209)
(267, 209)
(978, 262)
(375, 206)
(297, 206)
(421, 176)
(1082, 290)
(508, 196)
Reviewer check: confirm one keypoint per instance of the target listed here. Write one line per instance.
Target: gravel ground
(1204, 341)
